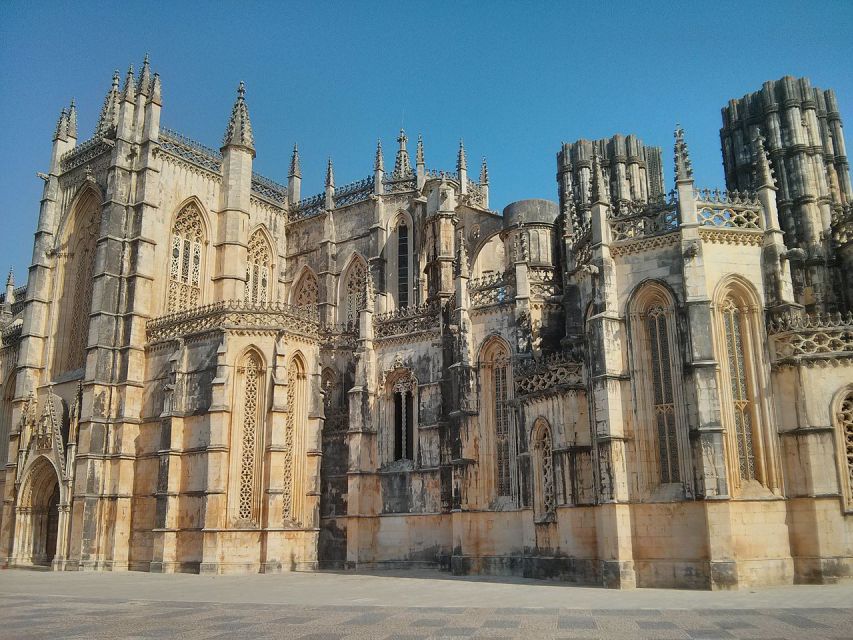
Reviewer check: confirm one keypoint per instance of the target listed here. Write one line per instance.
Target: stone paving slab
(96, 606)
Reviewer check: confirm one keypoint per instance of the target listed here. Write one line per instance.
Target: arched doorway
(37, 522)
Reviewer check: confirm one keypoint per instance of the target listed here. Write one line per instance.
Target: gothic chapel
(207, 372)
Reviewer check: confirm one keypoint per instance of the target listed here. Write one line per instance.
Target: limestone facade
(207, 372)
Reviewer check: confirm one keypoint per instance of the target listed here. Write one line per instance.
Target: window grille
(354, 291)
(402, 266)
(307, 292)
(293, 379)
(845, 424)
(739, 382)
(500, 380)
(404, 419)
(79, 274)
(249, 437)
(545, 451)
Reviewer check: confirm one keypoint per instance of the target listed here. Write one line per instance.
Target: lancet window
(186, 262)
(354, 298)
(403, 266)
(77, 282)
(307, 292)
(258, 268)
(844, 420)
(543, 448)
(662, 392)
(497, 388)
(250, 436)
(402, 394)
(739, 384)
(293, 468)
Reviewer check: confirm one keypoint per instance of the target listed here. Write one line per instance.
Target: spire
(402, 167)
(72, 120)
(683, 166)
(461, 162)
(144, 83)
(10, 280)
(419, 154)
(109, 112)
(763, 170)
(295, 169)
(484, 172)
(599, 188)
(239, 132)
(330, 175)
(379, 164)
(129, 85)
(61, 132)
(155, 89)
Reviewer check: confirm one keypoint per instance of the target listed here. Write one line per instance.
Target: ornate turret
(239, 131)
(420, 165)
(402, 167)
(683, 166)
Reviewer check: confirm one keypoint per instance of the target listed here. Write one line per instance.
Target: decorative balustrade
(407, 320)
(542, 375)
(818, 336)
(630, 220)
(398, 184)
(85, 152)
(269, 189)
(190, 150)
(234, 314)
(19, 296)
(354, 192)
(446, 175)
(11, 332)
(491, 289)
(309, 207)
(728, 210)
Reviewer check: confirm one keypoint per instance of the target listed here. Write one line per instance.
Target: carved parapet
(811, 339)
(728, 210)
(235, 314)
(558, 371)
(630, 220)
(492, 289)
(85, 152)
(408, 321)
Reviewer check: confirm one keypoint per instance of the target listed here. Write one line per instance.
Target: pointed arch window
(543, 448)
(402, 390)
(250, 438)
(354, 300)
(295, 427)
(844, 424)
(78, 272)
(497, 387)
(739, 385)
(403, 260)
(307, 292)
(258, 269)
(186, 260)
(663, 404)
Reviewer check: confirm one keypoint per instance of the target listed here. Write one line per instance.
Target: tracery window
(497, 383)
(307, 292)
(402, 265)
(844, 420)
(258, 267)
(188, 238)
(663, 402)
(402, 393)
(742, 408)
(292, 502)
(78, 255)
(545, 501)
(250, 436)
(354, 299)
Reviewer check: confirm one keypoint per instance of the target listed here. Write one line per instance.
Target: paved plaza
(425, 605)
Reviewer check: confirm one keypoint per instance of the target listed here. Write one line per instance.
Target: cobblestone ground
(46, 605)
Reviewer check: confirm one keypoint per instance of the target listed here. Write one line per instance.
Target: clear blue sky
(513, 79)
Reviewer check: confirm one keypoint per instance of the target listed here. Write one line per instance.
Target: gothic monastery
(630, 386)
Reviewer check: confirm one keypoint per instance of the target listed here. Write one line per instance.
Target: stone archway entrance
(37, 519)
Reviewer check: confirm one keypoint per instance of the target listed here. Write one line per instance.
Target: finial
(330, 174)
(155, 89)
(61, 132)
(419, 154)
(461, 162)
(144, 83)
(462, 258)
(379, 163)
(72, 119)
(402, 167)
(763, 169)
(295, 169)
(115, 79)
(239, 131)
(599, 189)
(10, 280)
(683, 166)
(484, 172)
(129, 85)
(109, 112)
